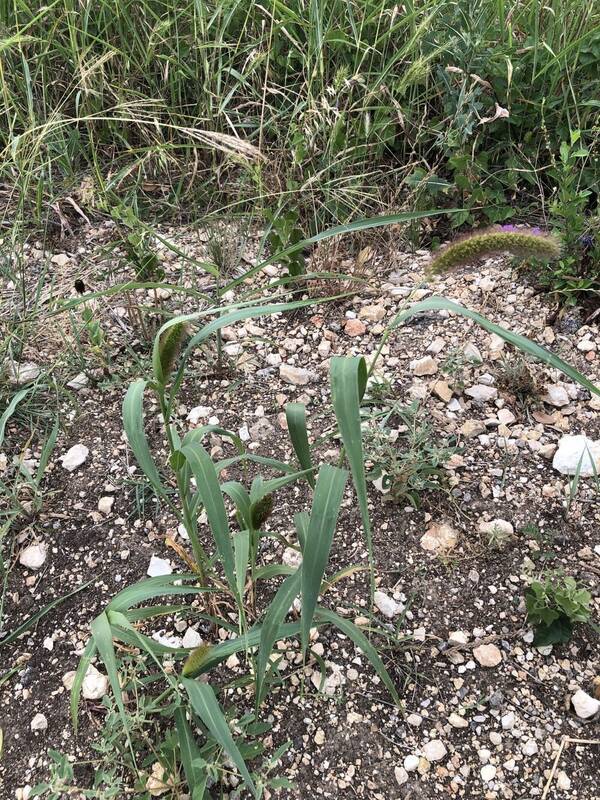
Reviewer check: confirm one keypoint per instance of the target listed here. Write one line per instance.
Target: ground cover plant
(299, 392)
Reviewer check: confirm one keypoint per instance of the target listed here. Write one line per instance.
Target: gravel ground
(485, 714)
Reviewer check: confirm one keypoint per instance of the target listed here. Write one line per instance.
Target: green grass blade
(35, 618)
(103, 639)
(133, 422)
(360, 640)
(241, 550)
(295, 414)
(209, 490)
(271, 626)
(195, 775)
(205, 704)
(327, 501)
(80, 673)
(301, 523)
(521, 342)
(348, 383)
(10, 410)
(149, 588)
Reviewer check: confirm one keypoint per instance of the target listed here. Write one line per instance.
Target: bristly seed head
(168, 349)
(526, 242)
(195, 661)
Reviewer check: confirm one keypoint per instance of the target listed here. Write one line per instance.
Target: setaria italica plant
(528, 242)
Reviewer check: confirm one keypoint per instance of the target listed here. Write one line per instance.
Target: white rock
(472, 353)
(481, 393)
(414, 719)
(584, 704)
(74, 457)
(39, 723)
(577, 453)
(159, 566)
(434, 750)
(387, 605)
(499, 526)
(458, 637)
(79, 382)
(488, 773)
(401, 775)
(292, 557)
(191, 638)
(60, 259)
(198, 413)
(555, 395)
(496, 343)
(372, 313)
(34, 555)
(439, 538)
(508, 721)
(25, 372)
(261, 430)
(424, 366)
(457, 721)
(105, 504)
(529, 748)
(295, 375)
(488, 655)
(563, 781)
(411, 763)
(95, 684)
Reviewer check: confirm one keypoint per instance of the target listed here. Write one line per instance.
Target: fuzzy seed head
(168, 349)
(195, 661)
(525, 242)
(261, 511)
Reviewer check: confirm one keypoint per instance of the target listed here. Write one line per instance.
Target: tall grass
(353, 105)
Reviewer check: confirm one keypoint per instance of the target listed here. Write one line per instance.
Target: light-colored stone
(488, 773)
(26, 372)
(529, 747)
(354, 327)
(457, 721)
(435, 750)
(198, 413)
(74, 457)
(471, 428)
(95, 684)
(555, 395)
(577, 454)
(501, 527)
(424, 366)
(481, 393)
(442, 390)
(439, 538)
(411, 763)
(297, 376)
(191, 638)
(159, 566)
(487, 655)
(372, 313)
(472, 353)
(105, 504)
(585, 705)
(387, 605)
(80, 381)
(34, 556)
(61, 259)
(39, 723)
(401, 775)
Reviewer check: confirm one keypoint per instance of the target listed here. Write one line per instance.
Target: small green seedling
(554, 604)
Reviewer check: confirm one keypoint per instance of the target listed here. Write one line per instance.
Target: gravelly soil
(352, 742)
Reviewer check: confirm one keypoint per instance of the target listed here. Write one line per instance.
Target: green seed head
(195, 662)
(526, 242)
(261, 511)
(168, 350)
